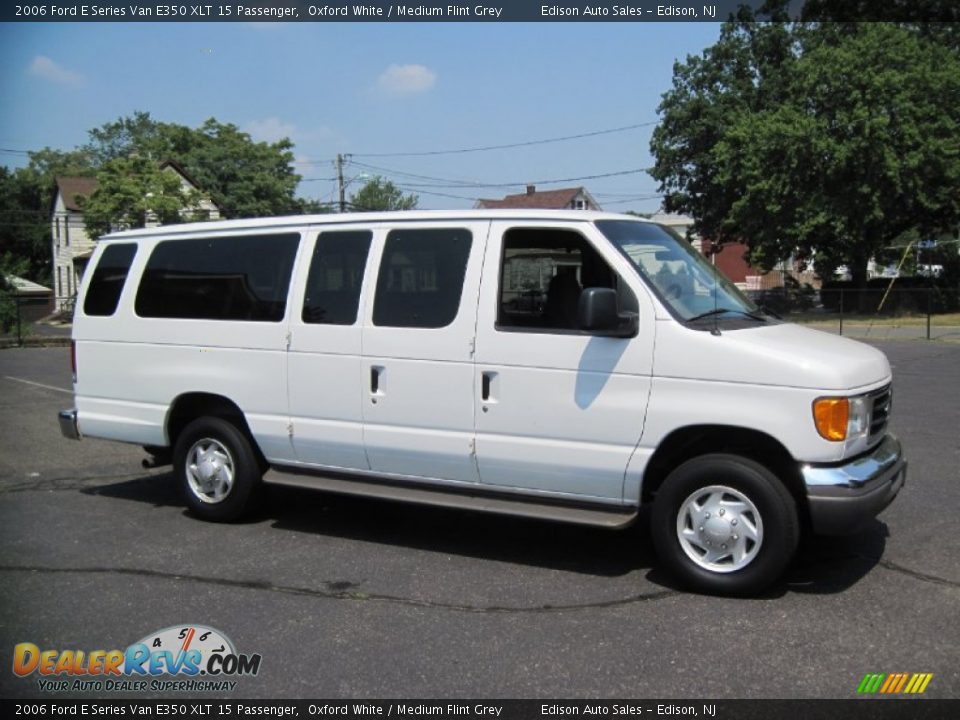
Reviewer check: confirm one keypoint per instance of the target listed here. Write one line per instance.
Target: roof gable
(70, 187)
(560, 199)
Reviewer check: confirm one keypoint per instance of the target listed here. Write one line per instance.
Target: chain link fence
(875, 313)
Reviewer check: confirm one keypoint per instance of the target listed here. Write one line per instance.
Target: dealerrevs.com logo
(184, 658)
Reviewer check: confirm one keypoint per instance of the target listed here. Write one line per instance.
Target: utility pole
(340, 185)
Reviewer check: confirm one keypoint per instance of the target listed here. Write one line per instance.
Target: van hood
(773, 354)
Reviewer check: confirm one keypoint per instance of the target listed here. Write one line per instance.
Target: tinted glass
(225, 278)
(421, 278)
(336, 276)
(108, 279)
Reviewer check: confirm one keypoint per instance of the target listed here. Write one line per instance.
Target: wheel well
(190, 406)
(689, 442)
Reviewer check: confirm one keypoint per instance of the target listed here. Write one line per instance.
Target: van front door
(418, 338)
(559, 410)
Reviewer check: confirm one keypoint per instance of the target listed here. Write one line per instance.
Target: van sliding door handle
(375, 379)
(486, 379)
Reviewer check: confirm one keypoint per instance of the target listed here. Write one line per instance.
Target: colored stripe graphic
(894, 683)
(870, 683)
(903, 680)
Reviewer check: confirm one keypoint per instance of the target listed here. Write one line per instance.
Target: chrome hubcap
(210, 470)
(720, 529)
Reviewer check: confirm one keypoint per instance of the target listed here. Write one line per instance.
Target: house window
(580, 204)
(59, 281)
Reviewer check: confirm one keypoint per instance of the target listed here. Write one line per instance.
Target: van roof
(367, 218)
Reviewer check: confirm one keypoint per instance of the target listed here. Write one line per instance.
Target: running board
(593, 515)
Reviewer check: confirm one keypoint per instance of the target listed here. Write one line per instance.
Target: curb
(35, 342)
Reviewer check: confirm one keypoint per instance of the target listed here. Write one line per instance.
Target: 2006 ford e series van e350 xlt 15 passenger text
(570, 366)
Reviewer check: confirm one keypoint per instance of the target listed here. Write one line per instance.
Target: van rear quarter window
(108, 280)
(421, 277)
(245, 277)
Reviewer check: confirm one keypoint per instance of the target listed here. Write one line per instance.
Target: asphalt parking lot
(364, 599)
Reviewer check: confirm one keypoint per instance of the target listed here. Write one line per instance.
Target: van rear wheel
(725, 524)
(217, 469)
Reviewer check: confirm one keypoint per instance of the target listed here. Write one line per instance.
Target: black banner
(488, 11)
(854, 709)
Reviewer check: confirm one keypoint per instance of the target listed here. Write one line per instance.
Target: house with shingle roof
(565, 199)
(72, 246)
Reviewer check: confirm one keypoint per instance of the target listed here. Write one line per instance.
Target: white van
(555, 364)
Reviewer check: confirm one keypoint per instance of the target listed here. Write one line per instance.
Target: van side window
(421, 278)
(108, 279)
(245, 277)
(542, 272)
(336, 276)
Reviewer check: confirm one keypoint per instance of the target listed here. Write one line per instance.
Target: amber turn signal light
(831, 416)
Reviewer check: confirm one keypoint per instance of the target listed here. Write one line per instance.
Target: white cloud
(45, 68)
(270, 129)
(406, 79)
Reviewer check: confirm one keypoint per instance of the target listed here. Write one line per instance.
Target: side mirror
(597, 314)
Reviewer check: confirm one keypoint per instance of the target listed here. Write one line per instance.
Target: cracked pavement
(347, 597)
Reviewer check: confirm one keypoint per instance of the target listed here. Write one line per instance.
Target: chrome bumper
(843, 497)
(68, 424)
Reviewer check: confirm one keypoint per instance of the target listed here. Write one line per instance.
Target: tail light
(73, 359)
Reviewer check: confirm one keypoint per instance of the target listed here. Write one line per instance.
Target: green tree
(132, 190)
(380, 194)
(245, 178)
(828, 141)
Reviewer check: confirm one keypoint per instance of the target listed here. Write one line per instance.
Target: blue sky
(366, 88)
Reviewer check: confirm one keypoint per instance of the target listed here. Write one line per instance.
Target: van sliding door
(325, 392)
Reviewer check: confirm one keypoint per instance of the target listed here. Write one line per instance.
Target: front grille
(880, 410)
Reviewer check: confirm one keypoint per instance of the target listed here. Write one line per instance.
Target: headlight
(841, 418)
(859, 424)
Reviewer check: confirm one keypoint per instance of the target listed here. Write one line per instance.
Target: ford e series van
(563, 365)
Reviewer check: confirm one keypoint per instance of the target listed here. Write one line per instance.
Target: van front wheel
(725, 524)
(217, 469)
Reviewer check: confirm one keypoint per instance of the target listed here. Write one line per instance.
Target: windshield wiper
(721, 311)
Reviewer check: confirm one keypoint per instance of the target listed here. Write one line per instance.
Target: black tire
(246, 476)
(761, 563)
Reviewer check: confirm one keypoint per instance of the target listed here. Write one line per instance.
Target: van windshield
(681, 276)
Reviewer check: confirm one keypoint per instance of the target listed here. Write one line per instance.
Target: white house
(681, 224)
(72, 246)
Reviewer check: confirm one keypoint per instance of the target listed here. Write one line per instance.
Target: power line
(464, 184)
(417, 191)
(507, 146)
